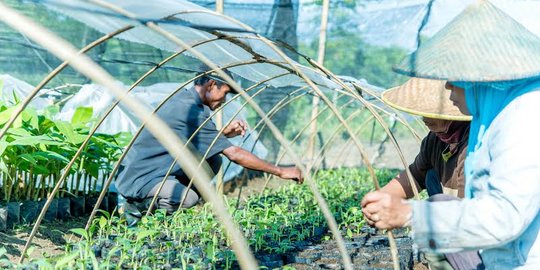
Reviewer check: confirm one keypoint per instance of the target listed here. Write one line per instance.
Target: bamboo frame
(302, 130)
(163, 133)
(322, 203)
(320, 59)
(53, 74)
(219, 123)
(154, 199)
(128, 147)
(156, 28)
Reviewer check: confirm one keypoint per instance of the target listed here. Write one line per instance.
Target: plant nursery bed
(284, 229)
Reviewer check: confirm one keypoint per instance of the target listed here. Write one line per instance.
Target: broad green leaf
(52, 155)
(18, 122)
(3, 146)
(29, 158)
(66, 260)
(81, 232)
(6, 115)
(82, 116)
(38, 169)
(30, 115)
(34, 140)
(102, 222)
(67, 130)
(146, 233)
(92, 169)
(42, 147)
(123, 138)
(19, 132)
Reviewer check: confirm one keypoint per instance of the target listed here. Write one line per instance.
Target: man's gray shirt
(148, 161)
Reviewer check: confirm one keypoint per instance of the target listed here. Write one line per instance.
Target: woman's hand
(386, 211)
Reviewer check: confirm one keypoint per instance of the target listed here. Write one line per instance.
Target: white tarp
(12, 88)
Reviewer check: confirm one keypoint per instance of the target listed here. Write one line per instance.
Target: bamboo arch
(79, 61)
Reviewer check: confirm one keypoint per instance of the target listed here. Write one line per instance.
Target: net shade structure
(196, 35)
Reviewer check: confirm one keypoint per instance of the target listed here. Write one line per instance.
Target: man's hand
(235, 128)
(386, 211)
(292, 173)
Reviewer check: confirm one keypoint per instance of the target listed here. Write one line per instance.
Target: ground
(50, 239)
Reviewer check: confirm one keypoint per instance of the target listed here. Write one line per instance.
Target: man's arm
(250, 161)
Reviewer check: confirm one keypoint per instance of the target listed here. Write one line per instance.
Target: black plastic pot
(64, 209)
(52, 212)
(113, 202)
(89, 204)
(14, 214)
(105, 203)
(77, 206)
(3, 218)
(29, 211)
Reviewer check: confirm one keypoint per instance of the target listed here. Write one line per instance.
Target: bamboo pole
(219, 6)
(302, 130)
(316, 99)
(160, 130)
(219, 120)
(154, 199)
(52, 74)
(130, 144)
(322, 203)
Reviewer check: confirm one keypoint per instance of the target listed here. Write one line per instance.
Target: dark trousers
(175, 189)
(171, 195)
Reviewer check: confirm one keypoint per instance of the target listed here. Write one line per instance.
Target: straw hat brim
(482, 44)
(423, 97)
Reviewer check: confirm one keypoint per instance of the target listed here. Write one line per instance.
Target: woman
(496, 61)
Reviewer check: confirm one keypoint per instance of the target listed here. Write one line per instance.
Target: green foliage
(36, 150)
(347, 54)
(274, 222)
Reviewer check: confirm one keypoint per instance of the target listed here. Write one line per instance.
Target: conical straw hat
(424, 97)
(481, 44)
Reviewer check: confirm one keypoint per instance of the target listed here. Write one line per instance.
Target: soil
(50, 239)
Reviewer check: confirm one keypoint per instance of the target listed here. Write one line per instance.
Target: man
(148, 161)
(495, 61)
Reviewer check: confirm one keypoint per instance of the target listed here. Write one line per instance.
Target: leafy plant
(36, 150)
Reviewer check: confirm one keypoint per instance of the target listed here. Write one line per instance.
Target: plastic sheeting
(191, 24)
(396, 23)
(121, 119)
(12, 89)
